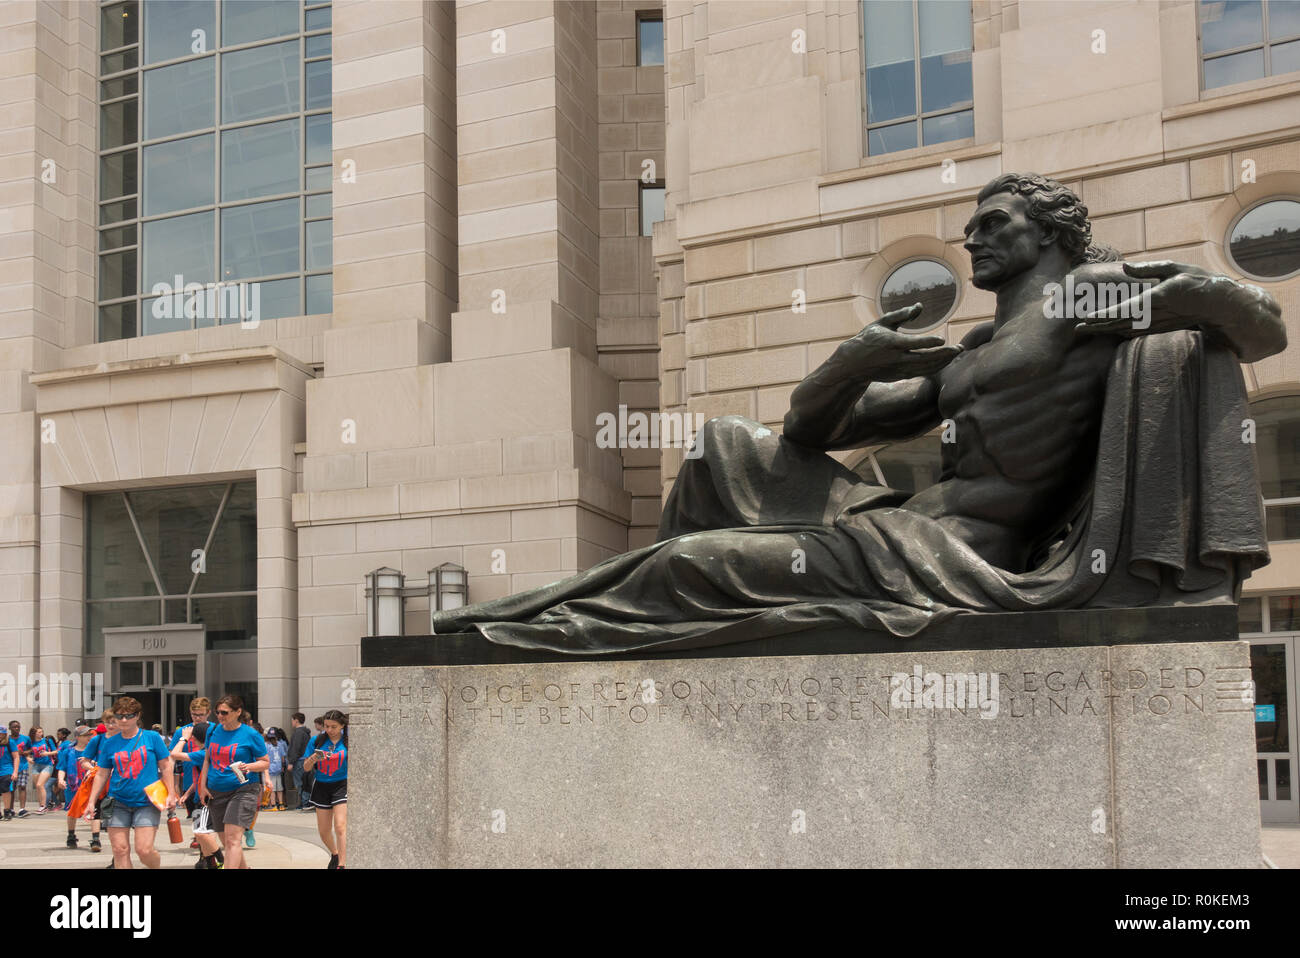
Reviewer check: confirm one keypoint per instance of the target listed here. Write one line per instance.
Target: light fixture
(384, 602)
(448, 587)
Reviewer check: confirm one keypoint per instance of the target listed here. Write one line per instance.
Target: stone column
(48, 68)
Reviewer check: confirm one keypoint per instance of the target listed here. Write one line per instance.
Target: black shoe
(111, 865)
(72, 841)
(95, 846)
(334, 862)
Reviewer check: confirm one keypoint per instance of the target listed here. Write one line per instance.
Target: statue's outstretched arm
(1240, 316)
(875, 387)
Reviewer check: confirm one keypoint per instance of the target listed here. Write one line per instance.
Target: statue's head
(1019, 217)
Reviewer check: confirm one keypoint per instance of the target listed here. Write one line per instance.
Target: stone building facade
(490, 293)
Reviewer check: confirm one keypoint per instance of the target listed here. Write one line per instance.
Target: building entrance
(1273, 670)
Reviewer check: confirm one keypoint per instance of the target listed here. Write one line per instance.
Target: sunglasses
(223, 711)
(124, 715)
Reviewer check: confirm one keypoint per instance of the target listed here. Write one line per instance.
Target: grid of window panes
(1277, 447)
(143, 566)
(1245, 40)
(215, 161)
(918, 73)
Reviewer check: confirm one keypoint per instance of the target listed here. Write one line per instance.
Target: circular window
(1265, 241)
(929, 282)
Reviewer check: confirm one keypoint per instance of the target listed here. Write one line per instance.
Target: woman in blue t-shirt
(327, 755)
(131, 761)
(231, 783)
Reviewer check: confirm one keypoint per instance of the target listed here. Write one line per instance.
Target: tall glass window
(1245, 40)
(1277, 438)
(180, 555)
(918, 73)
(215, 162)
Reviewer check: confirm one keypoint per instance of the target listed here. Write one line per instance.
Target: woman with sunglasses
(131, 761)
(231, 782)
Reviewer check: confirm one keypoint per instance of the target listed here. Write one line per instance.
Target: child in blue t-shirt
(9, 758)
(71, 773)
(328, 758)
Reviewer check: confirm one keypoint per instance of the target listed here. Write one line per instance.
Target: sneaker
(95, 846)
(250, 840)
(334, 862)
(23, 814)
(280, 807)
(72, 841)
(40, 809)
(9, 813)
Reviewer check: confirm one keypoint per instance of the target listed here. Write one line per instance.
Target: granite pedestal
(1123, 752)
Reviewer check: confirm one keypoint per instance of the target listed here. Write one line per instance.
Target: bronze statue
(1092, 457)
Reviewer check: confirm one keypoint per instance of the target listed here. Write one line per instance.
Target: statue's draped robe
(762, 537)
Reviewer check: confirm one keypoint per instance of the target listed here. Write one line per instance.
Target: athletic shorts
(238, 807)
(125, 816)
(277, 782)
(5, 782)
(329, 794)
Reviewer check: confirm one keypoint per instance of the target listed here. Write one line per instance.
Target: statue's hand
(882, 353)
(1185, 297)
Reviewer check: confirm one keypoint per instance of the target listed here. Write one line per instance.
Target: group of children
(226, 769)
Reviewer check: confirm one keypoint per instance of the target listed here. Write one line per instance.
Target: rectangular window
(226, 107)
(1243, 40)
(650, 39)
(652, 206)
(917, 73)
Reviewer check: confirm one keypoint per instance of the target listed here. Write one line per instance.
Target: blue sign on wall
(1265, 713)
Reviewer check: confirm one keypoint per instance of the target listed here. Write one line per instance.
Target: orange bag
(78, 806)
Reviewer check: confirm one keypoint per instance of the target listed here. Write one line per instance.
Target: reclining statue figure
(1091, 461)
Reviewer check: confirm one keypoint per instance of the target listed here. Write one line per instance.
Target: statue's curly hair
(1056, 206)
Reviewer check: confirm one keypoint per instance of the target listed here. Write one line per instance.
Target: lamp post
(448, 587)
(384, 600)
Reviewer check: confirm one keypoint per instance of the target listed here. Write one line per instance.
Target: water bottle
(174, 827)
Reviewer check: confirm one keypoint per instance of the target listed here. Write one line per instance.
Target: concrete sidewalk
(1281, 844)
(284, 840)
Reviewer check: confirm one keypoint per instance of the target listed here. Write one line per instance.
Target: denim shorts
(124, 816)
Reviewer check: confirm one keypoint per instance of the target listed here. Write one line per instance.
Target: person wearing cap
(9, 758)
(89, 764)
(70, 775)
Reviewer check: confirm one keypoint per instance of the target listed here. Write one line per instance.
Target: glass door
(1273, 670)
